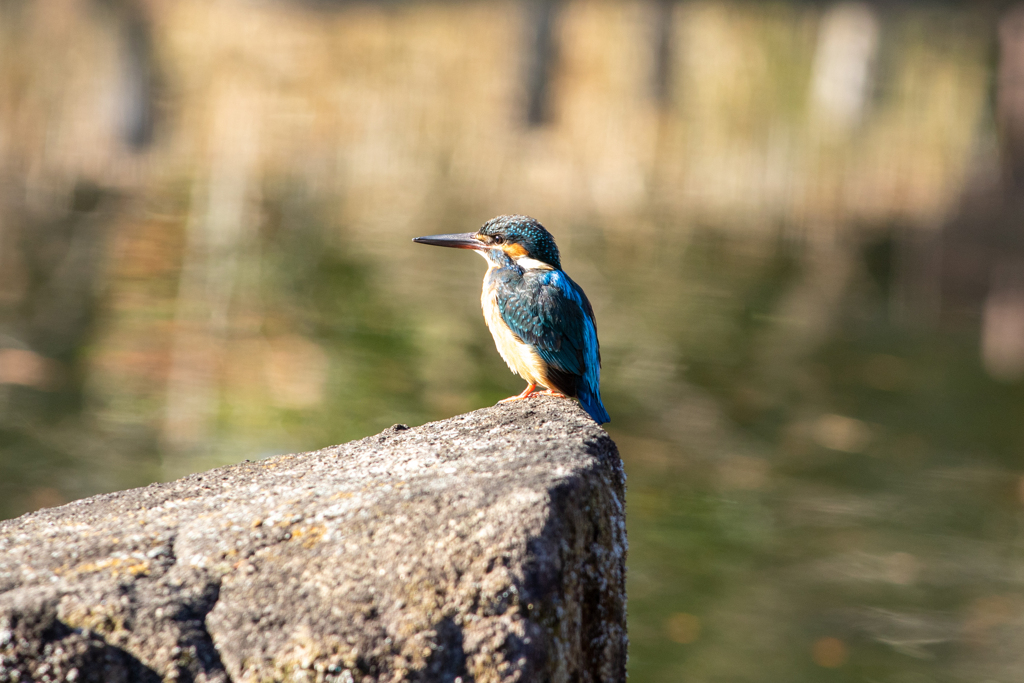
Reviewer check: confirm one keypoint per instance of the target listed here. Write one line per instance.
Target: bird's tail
(591, 402)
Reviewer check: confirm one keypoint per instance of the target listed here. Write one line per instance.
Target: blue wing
(548, 311)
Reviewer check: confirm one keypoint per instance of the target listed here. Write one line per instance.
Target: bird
(541, 321)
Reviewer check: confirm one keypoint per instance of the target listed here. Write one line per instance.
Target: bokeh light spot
(683, 628)
(841, 433)
(829, 652)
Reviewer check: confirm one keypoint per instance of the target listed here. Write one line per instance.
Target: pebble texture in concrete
(487, 547)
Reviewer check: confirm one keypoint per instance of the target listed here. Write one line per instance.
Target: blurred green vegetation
(779, 532)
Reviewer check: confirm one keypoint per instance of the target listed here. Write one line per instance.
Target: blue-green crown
(525, 231)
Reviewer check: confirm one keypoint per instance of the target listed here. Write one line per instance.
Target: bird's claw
(551, 392)
(531, 391)
(530, 388)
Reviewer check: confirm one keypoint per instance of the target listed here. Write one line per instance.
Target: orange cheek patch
(514, 251)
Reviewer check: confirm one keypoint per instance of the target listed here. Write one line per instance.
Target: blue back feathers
(548, 311)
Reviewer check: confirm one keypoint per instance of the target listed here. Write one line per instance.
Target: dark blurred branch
(1010, 98)
(982, 266)
(541, 55)
(64, 258)
(663, 34)
(136, 92)
(136, 86)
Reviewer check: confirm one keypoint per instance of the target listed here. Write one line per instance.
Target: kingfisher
(541, 321)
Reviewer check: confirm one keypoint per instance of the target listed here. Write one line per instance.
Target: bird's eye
(498, 239)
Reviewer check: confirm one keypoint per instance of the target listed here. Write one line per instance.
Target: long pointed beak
(463, 240)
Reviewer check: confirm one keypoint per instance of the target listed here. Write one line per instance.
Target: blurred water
(793, 222)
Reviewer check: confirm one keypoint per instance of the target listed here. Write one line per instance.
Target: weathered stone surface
(487, 547)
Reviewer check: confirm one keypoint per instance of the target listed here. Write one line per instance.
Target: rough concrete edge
(600, 655)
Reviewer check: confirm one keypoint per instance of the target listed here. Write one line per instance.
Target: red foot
(552, 392)
(530, 388)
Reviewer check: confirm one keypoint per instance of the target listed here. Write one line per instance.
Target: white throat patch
(527, 263)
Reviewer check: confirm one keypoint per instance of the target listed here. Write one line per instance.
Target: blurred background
(801, 226)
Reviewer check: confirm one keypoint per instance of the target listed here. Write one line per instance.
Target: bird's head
(521, 238)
